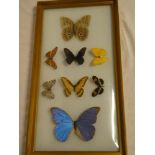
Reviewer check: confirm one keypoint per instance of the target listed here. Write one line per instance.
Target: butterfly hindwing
(48, 89)
(64, 124)
(79, 86)
(84, 125)
(48, 93)
(50, 56)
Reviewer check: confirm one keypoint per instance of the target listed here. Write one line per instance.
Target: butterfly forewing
(49, 84)
(52, 53)
(95, 79)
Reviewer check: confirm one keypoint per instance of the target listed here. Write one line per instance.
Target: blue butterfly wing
(84, 125)
(64, 124)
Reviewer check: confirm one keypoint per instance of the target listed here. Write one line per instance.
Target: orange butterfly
(50, 56)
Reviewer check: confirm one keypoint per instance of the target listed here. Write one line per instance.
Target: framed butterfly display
(76, 101)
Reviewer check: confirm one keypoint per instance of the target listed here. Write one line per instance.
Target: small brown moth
(50, 56)
(48, 89)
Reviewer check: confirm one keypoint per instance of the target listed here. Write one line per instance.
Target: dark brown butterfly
(99, 82)
(50, 56)
(78, 58)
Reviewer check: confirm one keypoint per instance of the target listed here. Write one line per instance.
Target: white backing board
(100, 35)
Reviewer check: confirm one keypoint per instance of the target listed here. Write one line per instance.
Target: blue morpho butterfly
(83, 126)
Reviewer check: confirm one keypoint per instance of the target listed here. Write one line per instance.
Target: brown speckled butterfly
(50, 56)
(79, 29)
(99, 82)
(78, 87)
(48, 89)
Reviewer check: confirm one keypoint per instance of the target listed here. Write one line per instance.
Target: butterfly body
(78, 87)
(48, 89)
(79, 29)
(99, 82)
(83, 126)
(50, 56)
(99, 54)
(78, 58)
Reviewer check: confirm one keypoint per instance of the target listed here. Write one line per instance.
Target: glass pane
(100, 36)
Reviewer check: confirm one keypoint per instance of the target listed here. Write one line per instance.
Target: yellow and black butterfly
(99, 82)
(78, 58)
(99, 54)
(50, 56)
(48, 89)
(79, 29)
(78, 87)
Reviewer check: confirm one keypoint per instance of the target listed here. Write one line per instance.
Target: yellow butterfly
(78, 87)
(99, 54)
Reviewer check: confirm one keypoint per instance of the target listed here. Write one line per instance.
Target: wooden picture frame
(41, 6)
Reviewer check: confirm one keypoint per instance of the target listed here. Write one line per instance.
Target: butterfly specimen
(99, 54)
(79, 29)
(83, 127)
(78, 58)
(48, 89)
(78, 87)
(50, 56)
(99, 82)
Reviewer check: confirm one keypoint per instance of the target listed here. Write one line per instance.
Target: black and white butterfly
(99, 82)
(78, 58)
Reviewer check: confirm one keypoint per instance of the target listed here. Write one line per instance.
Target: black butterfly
(99, 82)
(78, 58)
